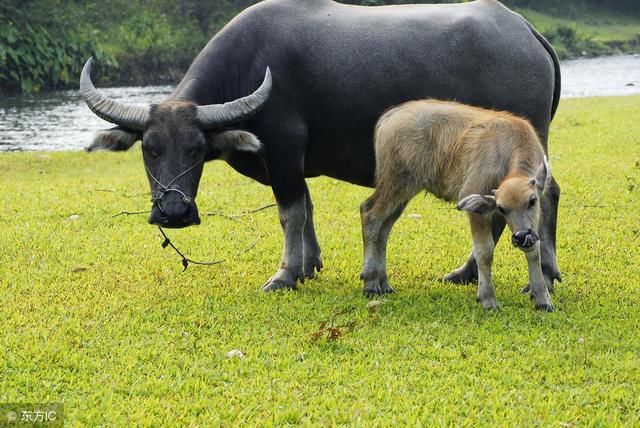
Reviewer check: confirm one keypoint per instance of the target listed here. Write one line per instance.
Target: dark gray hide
(337, 68)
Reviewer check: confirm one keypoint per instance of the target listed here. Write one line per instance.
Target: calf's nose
(524, 238)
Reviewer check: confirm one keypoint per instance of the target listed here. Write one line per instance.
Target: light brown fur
(458, 153)
(452, 150)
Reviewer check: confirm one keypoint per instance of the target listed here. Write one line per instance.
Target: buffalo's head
(177, 138)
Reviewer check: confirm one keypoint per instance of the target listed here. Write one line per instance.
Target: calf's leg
(483, 247)
(377, 216)
(383, 238)
(468, 272)
(537, 282)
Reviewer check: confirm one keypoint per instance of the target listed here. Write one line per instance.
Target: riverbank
(97, 315)
(60, 120)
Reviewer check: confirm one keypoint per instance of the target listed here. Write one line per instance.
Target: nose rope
(167, 188)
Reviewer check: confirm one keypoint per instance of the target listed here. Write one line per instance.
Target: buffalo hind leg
(312, 261)
(468, 272)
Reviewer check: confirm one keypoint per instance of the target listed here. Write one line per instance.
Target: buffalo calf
(490, 162)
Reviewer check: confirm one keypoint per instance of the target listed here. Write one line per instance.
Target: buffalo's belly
(351, 161)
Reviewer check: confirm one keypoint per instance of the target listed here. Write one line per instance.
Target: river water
(59, 120)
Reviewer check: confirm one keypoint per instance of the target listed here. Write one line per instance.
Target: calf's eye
(502, 210)
(532, 202)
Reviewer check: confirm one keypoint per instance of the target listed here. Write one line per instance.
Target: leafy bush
(34, 56)
(568, 41)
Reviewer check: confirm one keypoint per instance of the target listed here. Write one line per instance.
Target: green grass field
(97, 315)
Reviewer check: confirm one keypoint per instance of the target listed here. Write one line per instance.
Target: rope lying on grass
(185, 260)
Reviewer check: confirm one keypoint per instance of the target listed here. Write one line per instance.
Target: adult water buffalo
(335, 69)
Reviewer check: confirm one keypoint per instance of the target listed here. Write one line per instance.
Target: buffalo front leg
(312, 260)
(547, 231)
(289, 188)
(292, 219)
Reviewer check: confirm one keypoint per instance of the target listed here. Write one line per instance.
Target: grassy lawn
(95, 314)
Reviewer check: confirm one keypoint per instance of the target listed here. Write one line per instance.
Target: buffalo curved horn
(127, 116)
(221, 115)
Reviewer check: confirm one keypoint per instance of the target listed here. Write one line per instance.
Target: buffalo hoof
(312, 265)
(462, 275)
(527, 289)
(547, 307)
(283, 280)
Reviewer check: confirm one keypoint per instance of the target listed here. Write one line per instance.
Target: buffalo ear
(478, 204)
(114, 139)
(227, 141)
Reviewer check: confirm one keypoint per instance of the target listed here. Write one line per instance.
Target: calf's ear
(478, 204)
(114, 139)
(543, 175)
(224, 142)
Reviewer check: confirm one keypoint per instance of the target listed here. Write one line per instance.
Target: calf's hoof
(377, 287)
(489, 304)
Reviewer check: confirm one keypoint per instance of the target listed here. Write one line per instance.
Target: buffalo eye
(151, 151)
(149, 147)
(195, 151)
(532, 202)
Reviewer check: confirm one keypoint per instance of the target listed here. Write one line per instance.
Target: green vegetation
(591, 32)
(97, 315)
(43, 43)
